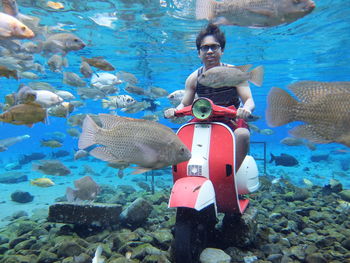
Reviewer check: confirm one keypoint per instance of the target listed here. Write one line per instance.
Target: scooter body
(209, 177)
(208, 183)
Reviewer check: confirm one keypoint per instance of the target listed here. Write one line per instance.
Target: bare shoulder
(192, 79)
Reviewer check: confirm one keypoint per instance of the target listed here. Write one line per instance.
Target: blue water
(155, 41)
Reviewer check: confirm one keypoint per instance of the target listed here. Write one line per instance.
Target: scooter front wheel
(193, 231)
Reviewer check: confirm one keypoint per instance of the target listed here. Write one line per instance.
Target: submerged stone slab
(96, 214)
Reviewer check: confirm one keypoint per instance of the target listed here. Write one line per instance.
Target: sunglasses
(214, 48)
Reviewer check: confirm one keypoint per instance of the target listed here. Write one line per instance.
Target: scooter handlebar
(217, 111)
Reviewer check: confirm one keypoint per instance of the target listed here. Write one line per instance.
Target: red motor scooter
(208, 183)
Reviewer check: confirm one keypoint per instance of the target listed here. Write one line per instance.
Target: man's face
(210, 52)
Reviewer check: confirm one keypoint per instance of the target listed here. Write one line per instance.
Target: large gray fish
(150, 145)
(62, 43)
(5, 143)
(323, 106)
(253, 13)
(223, 76)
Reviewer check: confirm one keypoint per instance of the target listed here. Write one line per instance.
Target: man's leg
(242, 136)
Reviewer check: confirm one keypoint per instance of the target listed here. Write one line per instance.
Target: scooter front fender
(192, 192)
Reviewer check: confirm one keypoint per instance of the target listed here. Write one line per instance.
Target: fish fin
(109, 121)
(257, 76)
(279, 107)
(105, 103)
(140, 170)
(70, 194)
(309, 132)
(5, 33)
(205, 9)
(244, 68)
(87, 137)
(102, 154)
(261, 11)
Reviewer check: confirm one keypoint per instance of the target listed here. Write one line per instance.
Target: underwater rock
(345, 195)
(21, 197)
(315, 258)
(240, 231)
(13, 177)
(97, 214)
(137, 213)
(213, 255)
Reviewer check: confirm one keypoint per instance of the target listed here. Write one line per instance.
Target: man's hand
(169, 113)
(243, 113)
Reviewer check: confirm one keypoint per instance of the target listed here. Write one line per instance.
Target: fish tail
(272, 158)
(280, 107)
(257, 76)
(87, 137)
(105, 103)
(205, 9)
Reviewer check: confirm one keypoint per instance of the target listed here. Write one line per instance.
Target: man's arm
(246, 96)
(190, 92)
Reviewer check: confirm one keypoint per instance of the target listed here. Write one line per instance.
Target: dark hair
(211, 30)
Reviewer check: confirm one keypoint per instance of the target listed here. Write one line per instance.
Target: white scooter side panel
(247, 176)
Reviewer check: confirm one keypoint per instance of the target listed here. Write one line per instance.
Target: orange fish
(12, 28)
(55, 5)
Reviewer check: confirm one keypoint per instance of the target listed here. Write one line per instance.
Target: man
(210, 44)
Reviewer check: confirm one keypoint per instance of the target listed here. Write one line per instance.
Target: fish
(137, 107)
(253, 13)
(60, 153)
(97, 258)
(66, 95)
(28, 75)
(127, 77)
(292, 141)
(73, 79)
(85, 69)
(5, 143)
(284, 160)
(51, 167)
(266, 131)
(55, 5)
(150, 145)
(101, 79)
(73, 132)
(42, 182)
(119, 101)
(56, 62)
(62, 43)
(99, 62)
(24, 114)
(80, 154)
(323, 106)
(27, 158)
(12, 28)
(222, 76)
(308, 183)
(51, 143)
(157, 92)
(7, 73)
(86, 189)
(61, 110)
(176, 97)
(47, 98)
(135, 89)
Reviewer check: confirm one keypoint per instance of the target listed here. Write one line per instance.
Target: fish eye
(75, 40)
(23, 28)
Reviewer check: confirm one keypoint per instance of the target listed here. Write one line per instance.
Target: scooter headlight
(201, 109)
